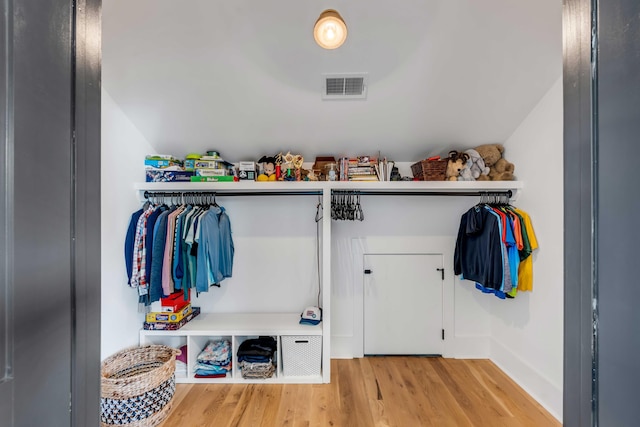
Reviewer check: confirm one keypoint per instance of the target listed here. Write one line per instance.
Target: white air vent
(344, 86)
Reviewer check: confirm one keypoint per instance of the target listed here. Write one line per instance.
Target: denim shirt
(215, 249)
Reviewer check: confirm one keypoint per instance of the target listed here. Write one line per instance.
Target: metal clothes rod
(223, 193)
(508, 193)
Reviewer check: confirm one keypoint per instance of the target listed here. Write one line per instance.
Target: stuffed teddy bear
(475, 168)
(499, 168)
(457, 162)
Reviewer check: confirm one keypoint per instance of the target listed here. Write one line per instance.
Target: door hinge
(367, 271)
(443, 334)
(441, 270)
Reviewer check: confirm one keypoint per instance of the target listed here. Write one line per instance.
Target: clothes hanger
(319, 211)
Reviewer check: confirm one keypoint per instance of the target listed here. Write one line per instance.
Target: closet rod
(507, 193)
(224, 193)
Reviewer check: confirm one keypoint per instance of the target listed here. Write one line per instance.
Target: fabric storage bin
(301, 355)
(137, 385)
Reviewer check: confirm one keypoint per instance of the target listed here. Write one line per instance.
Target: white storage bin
(301, 355)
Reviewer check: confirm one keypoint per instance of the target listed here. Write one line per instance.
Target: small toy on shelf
(268, 168)
(298, 160)
(499, 168)
(475, 167)
(456, 163)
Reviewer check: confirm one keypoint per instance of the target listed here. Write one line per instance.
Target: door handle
(367, 271)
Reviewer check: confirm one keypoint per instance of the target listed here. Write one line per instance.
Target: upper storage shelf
(321, 186)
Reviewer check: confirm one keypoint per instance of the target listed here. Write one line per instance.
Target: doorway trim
(86, 287)
(579, 256)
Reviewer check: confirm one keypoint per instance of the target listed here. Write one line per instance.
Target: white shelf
(242, 324)
(236, 327)
(436, 186)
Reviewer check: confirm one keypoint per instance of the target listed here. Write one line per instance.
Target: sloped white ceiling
(244, 77)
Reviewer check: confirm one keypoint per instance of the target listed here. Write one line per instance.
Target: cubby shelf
(235, 327)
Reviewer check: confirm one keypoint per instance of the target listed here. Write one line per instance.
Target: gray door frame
(578, 214)
(52, 102)
(85, 381)
(602, 198)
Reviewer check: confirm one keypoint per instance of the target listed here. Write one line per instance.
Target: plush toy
(499, 168)
(466, 173)
(269, 168)
(475, 169)
(457, 162)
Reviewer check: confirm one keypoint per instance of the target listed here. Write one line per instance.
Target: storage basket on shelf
(137, 385)
(301, 355)
(430, 170)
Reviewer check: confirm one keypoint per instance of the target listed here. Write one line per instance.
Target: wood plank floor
(373, 391)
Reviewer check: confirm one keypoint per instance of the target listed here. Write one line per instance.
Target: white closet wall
(123, 147)
(527, 338)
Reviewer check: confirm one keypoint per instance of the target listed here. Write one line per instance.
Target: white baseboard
(342, 347)
(471, 347)
(543, 390)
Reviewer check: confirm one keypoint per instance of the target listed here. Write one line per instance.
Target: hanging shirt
(215, 248)
(157, 256)
(151, 222)
(167, 263)
(138, 273)
(129, 243)
(478, 254)
(176, 268)
(525, 271)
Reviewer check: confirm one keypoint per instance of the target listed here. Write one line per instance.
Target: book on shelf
(364, 178)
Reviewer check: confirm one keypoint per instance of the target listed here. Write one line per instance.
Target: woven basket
(137, 386)
(430, 170)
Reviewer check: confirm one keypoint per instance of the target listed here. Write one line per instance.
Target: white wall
(426, 225)
(123, 151)
(527, 337)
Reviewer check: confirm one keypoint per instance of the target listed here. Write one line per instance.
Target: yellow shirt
(525, 269)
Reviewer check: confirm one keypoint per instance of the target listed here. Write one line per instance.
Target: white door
(403, 304)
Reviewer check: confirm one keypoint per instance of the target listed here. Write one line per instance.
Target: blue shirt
(128, 243)
(157, 257)
(215, 249)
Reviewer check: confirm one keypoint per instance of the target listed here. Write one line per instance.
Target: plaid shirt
(138, 274)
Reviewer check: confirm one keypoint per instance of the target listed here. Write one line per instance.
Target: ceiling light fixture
(330, 30)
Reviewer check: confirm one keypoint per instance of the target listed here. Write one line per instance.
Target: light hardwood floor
(373, 391)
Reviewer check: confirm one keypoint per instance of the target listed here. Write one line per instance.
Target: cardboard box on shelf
(247, 171)
(210, 172)
(227, 178)
(167, 326)
(168, 317)
(159, 175)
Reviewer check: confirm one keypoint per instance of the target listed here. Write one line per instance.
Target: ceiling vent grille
(344, 86)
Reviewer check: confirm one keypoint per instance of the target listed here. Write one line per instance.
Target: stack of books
(212, 169)
(165, 168)
(363, 168)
